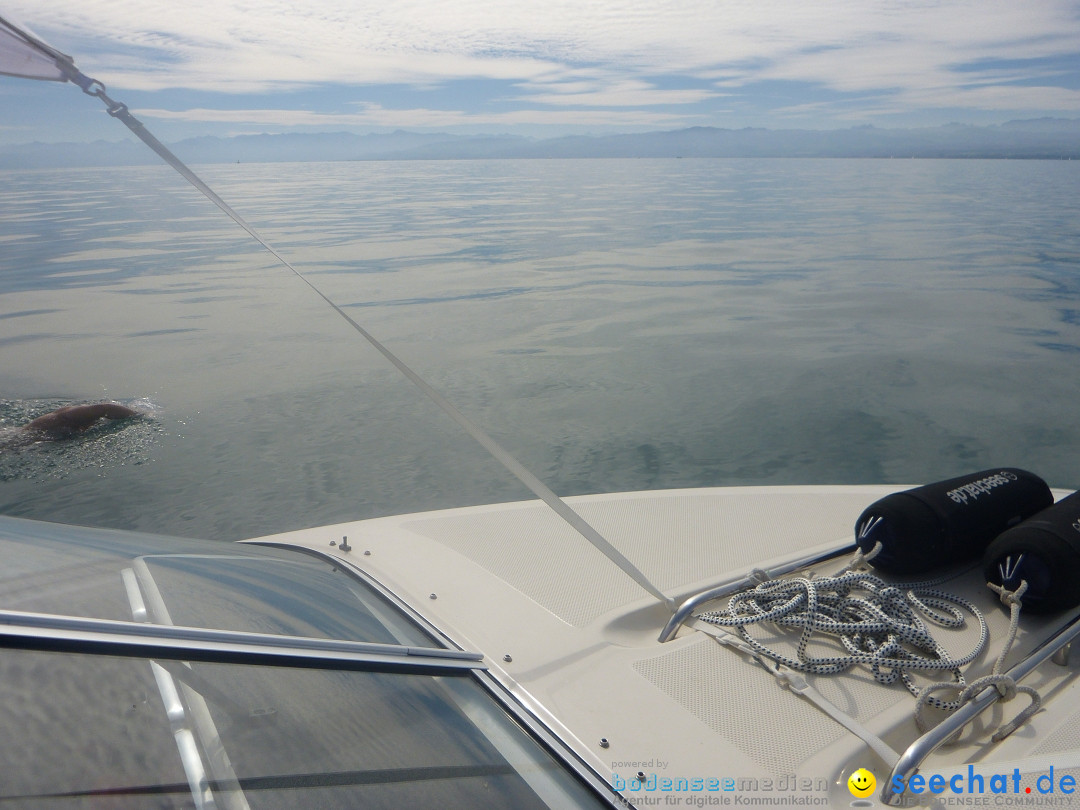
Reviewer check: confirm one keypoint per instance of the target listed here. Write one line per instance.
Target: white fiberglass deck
(577, 640)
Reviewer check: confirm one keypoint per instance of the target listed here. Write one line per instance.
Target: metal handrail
(739, 582)
(43, 631)
(923, 747)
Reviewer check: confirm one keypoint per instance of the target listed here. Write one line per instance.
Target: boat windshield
(96, 573)
(131, 732)
(277, 680)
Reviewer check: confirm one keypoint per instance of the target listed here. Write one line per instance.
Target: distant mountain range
(1043, 138)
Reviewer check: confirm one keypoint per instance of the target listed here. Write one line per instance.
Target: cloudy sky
(545, 67)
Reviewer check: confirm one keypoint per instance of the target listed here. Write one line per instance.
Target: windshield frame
(141, 639)
(390, 598)
(529, 714)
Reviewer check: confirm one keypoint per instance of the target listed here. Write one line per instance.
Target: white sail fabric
(23, 54)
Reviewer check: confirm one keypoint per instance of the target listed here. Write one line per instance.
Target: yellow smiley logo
(861, 783)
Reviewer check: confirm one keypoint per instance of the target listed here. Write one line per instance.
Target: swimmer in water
(72, 419)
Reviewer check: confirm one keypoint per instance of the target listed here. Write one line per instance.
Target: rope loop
(1005, 685)
(860, 558)
(880, 626)
(1033, 707)
(1007, 597)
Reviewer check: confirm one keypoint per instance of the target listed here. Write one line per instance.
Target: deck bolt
(641, 777)
(433, 596)
(333, 542)
(367, 553)
(604, 743)
(507, 658)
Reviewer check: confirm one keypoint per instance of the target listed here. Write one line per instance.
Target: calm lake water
(617, 325)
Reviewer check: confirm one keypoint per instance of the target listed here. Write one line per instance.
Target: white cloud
(583, 53)
(375, 115)
(1013, 98)
(610, 93)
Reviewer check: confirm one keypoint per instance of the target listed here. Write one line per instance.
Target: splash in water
(108, 443)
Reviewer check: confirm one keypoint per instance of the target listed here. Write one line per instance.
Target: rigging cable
(93, 87)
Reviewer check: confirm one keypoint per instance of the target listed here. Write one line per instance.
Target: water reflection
(616, 324)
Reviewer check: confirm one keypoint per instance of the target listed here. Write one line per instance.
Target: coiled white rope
(881, 626)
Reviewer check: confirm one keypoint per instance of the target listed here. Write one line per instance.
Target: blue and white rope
(879, 625)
